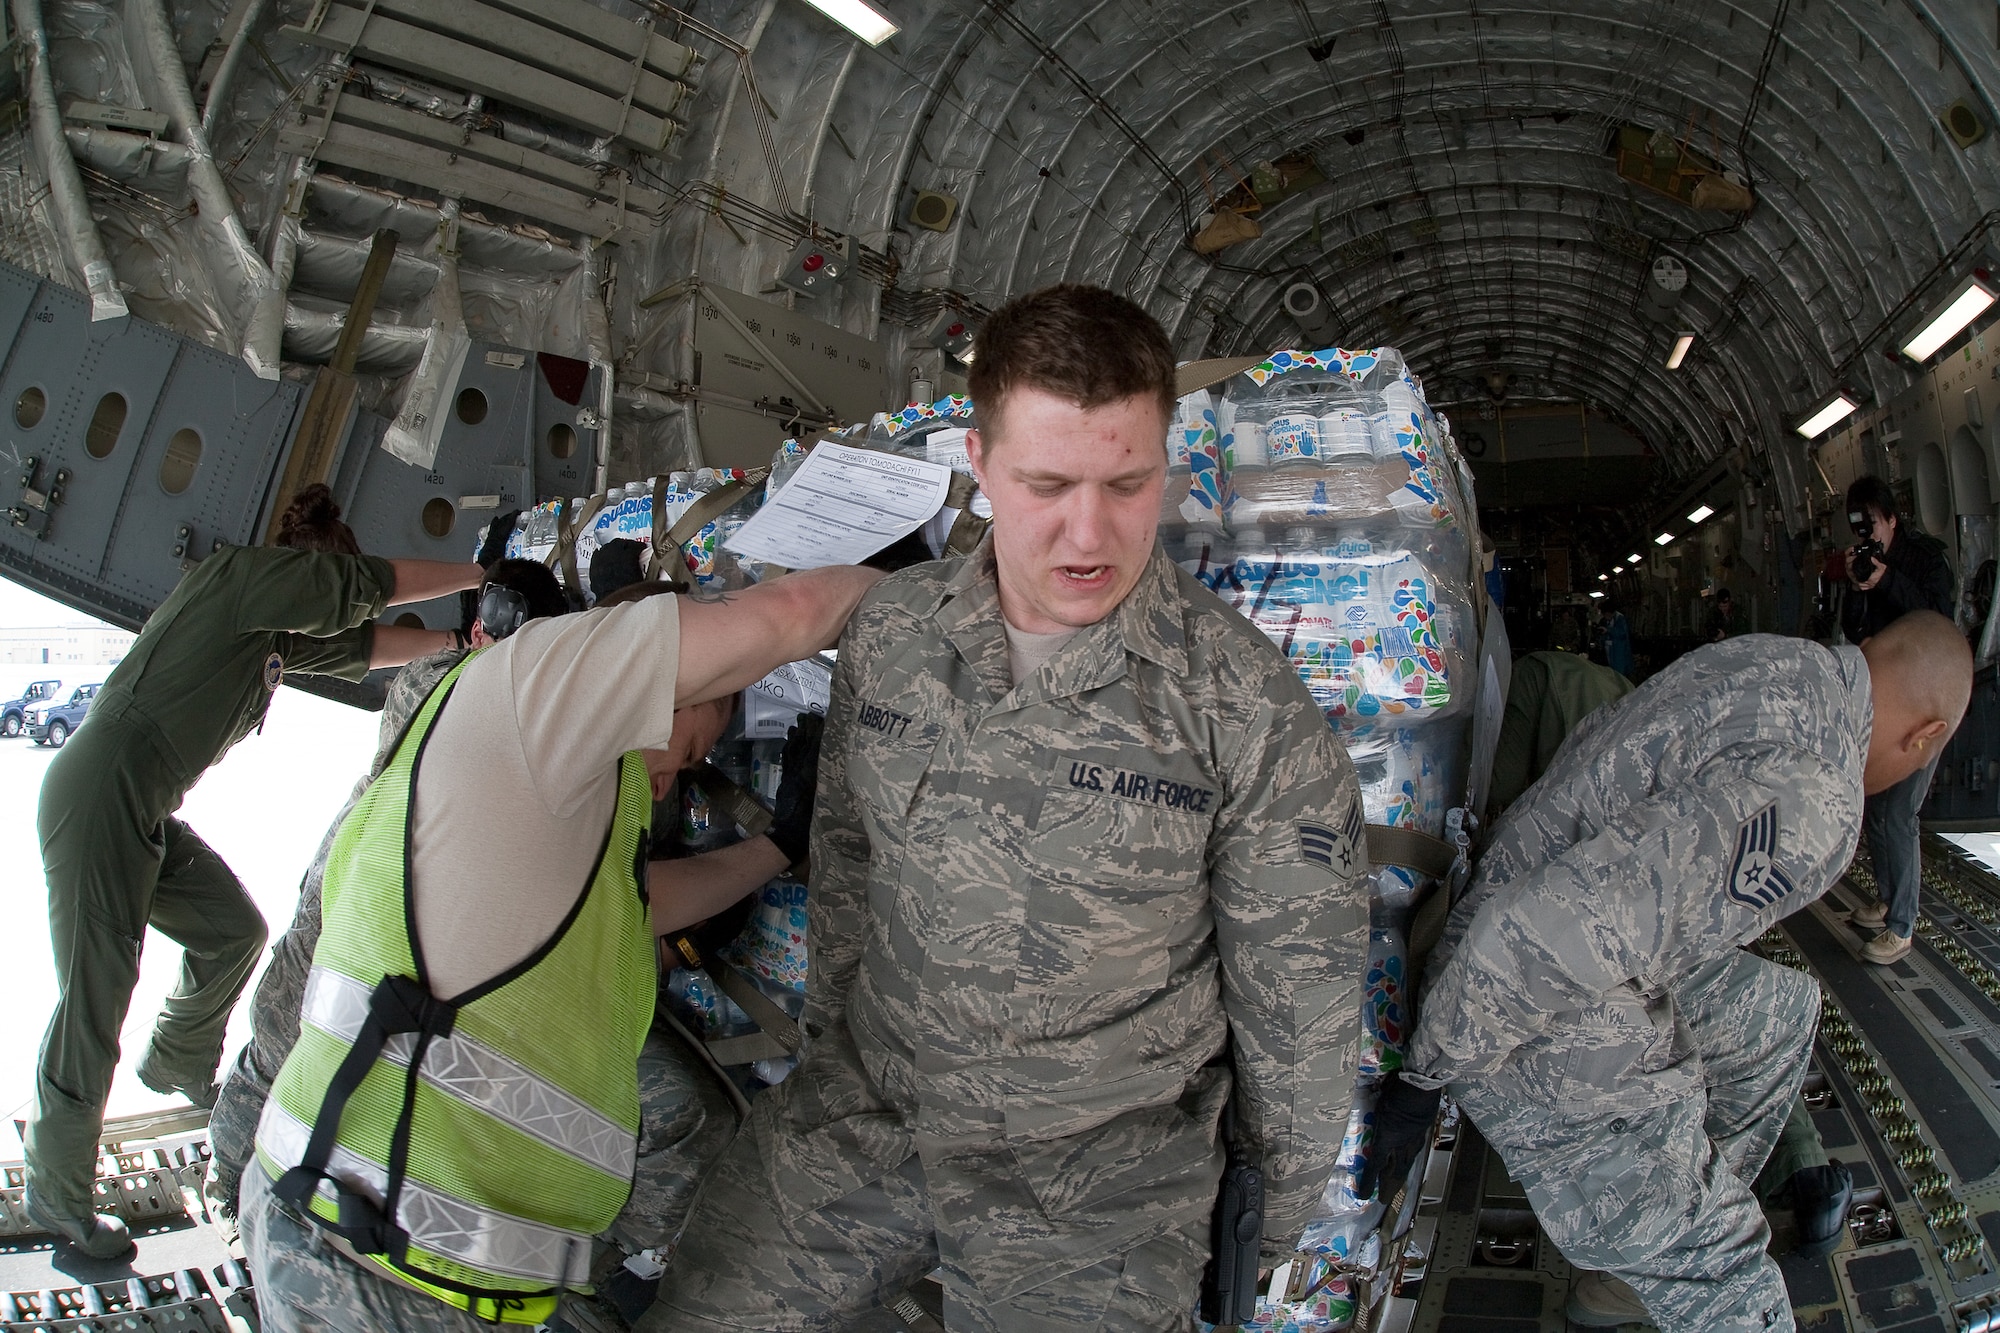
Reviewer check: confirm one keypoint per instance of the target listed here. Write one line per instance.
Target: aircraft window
(562, 439)
(28, 408)
(471, 406)
(439, 516)
(183, 453)
(105, 424)
(409, 620)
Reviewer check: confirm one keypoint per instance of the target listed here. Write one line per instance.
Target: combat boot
(1599, 1300)
(1886, 948)
(201, 1091)
(96, 1235)
(1820, 1197)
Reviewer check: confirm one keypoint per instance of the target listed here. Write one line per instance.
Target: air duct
(232, 258)
(232, 58)
(1666, 283)
(1309, 311)
(79, 229)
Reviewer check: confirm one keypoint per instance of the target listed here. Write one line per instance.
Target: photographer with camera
(1892, 570)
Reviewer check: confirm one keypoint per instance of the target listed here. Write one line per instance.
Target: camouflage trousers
(1637, 1129)
(743, 1266)
(304, 1285)
(274, 1030)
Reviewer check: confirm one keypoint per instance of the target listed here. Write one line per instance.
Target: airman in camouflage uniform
(1588, 1004)
(1038, 910)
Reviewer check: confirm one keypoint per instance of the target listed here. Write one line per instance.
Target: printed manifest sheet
(842, 506)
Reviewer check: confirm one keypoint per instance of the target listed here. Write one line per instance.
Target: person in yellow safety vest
(459, 1116)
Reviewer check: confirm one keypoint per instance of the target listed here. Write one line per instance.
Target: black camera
(1867, 552)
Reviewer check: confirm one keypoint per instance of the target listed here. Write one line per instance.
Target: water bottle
(639, 511)
(1206, 554)
(1253, 571)
(791, 456)
(1385, 999)
(1193, 494)
(702, 826)
(605, 527)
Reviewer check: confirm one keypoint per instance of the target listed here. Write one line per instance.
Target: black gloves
(1404, 1119)
(493, 547)
(798, 784)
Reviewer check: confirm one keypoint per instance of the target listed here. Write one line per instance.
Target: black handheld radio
(1229, 1284)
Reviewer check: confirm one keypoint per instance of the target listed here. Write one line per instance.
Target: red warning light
(956, 330)
(814, 263)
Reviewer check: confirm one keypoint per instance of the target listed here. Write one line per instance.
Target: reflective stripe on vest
(460, 1231)
(472, 1144)
(480, 1076)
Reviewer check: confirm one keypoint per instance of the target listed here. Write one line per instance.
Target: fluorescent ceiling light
(1968, 301)
(1595, 593)
(1633, 558)
(1679, 354)
(859, 17)
(1838, 409)
(1700, 513)
(1664, 539)
(1618, 569)
(1604, 578)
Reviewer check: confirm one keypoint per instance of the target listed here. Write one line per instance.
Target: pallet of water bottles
(1319, 494)
(642, 512)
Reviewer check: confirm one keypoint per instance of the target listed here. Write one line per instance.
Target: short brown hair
(312, 523)
(1078, 342)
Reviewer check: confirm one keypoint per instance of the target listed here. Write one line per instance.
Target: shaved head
(1920, 674)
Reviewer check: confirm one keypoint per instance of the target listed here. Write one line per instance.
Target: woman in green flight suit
(197, 680)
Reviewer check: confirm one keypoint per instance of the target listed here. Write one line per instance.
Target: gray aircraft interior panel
(133, 362)
(561, 435)
(96, 520)
(501, 433)
(750, 351)
(17, 293)
(231, 427)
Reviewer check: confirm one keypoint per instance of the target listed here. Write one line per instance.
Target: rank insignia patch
(1754, 877)
(1335, 849)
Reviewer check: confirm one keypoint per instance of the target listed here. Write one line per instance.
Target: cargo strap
(1427, 928)
(1429, 856)
(708, 1060)
(778, 1034)
(728, 795)
(672, 570)
(968, 528)
(562, 556)
(1201, 374)
(1433, 858)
